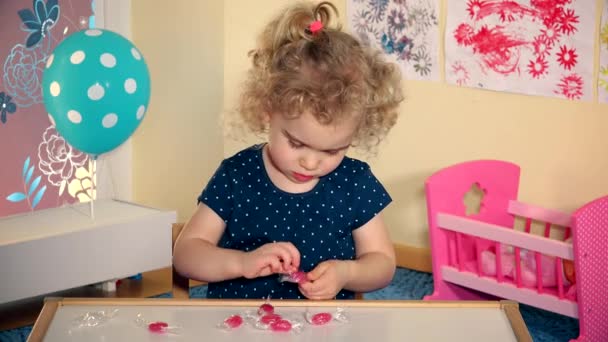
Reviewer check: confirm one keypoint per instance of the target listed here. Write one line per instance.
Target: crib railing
(469, 233)
(550, 218)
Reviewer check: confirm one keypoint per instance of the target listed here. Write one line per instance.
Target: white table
(369, 320)
(62, 248)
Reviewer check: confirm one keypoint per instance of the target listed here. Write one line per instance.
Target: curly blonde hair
(327, 73)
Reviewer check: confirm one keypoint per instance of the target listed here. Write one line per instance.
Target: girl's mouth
(301, 178)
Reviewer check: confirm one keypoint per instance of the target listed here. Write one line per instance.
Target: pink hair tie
(315, 26)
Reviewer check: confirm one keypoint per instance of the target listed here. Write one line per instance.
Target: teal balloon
(96, 89)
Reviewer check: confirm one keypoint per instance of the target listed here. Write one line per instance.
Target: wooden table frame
(51, 305)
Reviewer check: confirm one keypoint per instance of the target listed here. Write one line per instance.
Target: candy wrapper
(325, 317)
(157, 327)
(94, 319)
(294, 277)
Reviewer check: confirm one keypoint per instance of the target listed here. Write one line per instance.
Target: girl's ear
(264, 122)
(266, 119)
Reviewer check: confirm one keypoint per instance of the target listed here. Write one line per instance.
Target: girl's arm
(196, 254)
(374, 266)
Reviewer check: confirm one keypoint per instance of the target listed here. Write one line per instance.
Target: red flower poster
(536, 47)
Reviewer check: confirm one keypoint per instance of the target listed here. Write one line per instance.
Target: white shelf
(62, 248)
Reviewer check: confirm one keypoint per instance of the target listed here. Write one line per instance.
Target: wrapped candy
(157, 327)
(322, 318)
(94, 318)
(231, 322)
(270, 318)
(278, 323)
(266, 308)
(297, 277)
(265, 312)
(282, 325)
(275, 322)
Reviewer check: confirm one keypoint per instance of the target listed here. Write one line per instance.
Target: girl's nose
(309, 163)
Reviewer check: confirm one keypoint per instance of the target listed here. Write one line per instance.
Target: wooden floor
(22, 313)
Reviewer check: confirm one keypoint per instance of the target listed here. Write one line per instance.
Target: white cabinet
(62, 248)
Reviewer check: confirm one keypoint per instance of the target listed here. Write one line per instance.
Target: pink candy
(270, 318)
(277, 323)
(266, 317)
(321, 318)
(265, 309)
(233, 321)
(158, 327)
(282, 325)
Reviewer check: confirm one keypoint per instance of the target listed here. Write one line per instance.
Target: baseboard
(415, 258)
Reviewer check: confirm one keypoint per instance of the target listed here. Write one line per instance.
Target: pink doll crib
(459, 239)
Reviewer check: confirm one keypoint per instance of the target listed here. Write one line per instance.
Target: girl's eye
(332, 153)
(294, 145)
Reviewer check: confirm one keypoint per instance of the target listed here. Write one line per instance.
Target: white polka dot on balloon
(49, 61)
(96, 92)
(74, 116)
(93, 33)
(109, 120)
(135, 54)
(52, 120)
(140, 112)
(108, 60)
(55, 88)
(77, 57)
(130, 85)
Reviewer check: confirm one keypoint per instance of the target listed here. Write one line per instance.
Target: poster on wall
(39, 169)
(543, 48)
(406, 31)
(603, 79)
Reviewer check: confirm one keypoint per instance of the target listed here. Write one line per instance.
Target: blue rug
(544, 326)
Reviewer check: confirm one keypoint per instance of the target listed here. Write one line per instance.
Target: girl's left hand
(326, 280)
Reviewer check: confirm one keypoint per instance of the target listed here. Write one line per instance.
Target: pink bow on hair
(315, 26)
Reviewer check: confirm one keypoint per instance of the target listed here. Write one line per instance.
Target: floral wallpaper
(38, 169)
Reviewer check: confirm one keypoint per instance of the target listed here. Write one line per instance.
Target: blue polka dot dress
(318, 222)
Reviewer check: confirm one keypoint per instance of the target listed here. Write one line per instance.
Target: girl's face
(301, 150)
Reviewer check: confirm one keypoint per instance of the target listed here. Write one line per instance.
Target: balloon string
(94, 187)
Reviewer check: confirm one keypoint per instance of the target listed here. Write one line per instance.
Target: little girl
(296, 202)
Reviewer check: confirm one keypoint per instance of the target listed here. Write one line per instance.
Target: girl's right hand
(275, 257)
